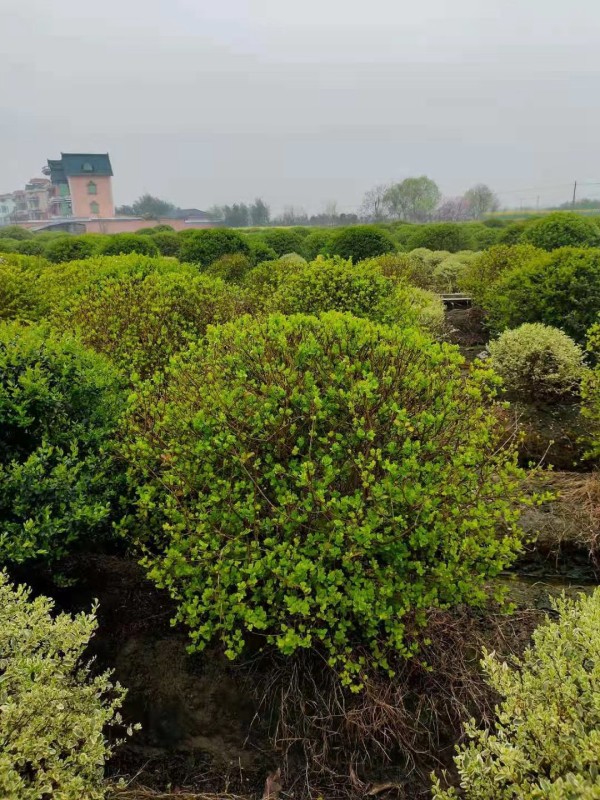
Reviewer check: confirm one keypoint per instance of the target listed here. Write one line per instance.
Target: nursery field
(275, 523)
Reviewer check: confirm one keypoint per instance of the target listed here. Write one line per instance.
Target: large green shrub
(283, 240)
(360, 242)
(485, 268)
(317, 243)
(561, 289)
(123, 243)
(260, 250)
(140, 322)
(562, 229)
(205, 246)
(537, 362)
(59, 283)
(544, 743)
(69, 248)
(322, 482)
(232, 269)
(449, 236)
(53, 711)
(14, 232)
(168, 243)
(59, 406)
(590, 390)
(19, 295)
(30, 247)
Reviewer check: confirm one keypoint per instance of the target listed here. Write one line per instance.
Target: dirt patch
(465, 327)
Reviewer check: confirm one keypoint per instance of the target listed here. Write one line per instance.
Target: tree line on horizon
(415, 199)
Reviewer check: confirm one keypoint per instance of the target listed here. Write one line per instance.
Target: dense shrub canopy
(260, 250)
(14, 232)
(485, 268)
(140, 322)
(537, 362)
(590, 389)
(283, 240)
(69, 248)
(322, 482)
(59, 406)
(562, 230)
(561, 289)
(54, 713)
(168, 243)
(316, 244)
(123, 243)
(545, 740)
(232, 269)
(205, 246)
(360, 242)
(449, 236)
(59, 283)
(19, 295)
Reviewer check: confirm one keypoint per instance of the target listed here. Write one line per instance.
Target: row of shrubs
(300, 461)
(357, 242)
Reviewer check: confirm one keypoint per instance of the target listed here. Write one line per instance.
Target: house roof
(73, 165)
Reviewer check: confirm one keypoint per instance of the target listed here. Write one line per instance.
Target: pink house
(81, 185)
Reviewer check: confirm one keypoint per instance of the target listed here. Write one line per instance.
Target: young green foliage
(322, 482)
(140, 322)
(545, 742)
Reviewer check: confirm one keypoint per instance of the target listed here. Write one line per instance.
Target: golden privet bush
(52, 711)
(546, 741)
(538, 362)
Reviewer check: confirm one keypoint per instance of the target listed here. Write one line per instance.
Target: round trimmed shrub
(69, 248)
(317, 243)
(283, 240)
(397, 266)
(485, 268)
(8, 245)
(203, 247)
(537, 362)
(413, 305)
(30, 247)
(60, 283)
(321, 483)
(169, 244)
(562, 229)
(260, 250)
(139, 322)
(561, 289)
(544, 743)
(360, 242)
(449, 236)
(19, 295)
(232, 269)
(55, 712)
(59, 408)
(15, 232)
(122, 243)
(590, 390)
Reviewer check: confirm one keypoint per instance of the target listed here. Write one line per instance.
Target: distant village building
(81, 185)
(76, 196)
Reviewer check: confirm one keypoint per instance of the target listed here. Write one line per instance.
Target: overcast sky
(217, 101)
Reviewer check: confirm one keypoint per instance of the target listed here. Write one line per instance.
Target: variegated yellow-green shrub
(53, 712)
(545, 744)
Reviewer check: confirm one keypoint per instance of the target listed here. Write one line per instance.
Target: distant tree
(292, 215)
(415, 199)
(586, 203)
(374, 207)
(149, 206)
(480, 200)
(124, 211)
(453, 209)
(260, 213)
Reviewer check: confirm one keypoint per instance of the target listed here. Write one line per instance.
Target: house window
(92, 188)
(94, 208)
(87, 167)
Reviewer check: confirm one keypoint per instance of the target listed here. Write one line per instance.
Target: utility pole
(574, 194)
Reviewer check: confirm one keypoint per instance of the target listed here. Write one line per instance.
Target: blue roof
(76, 164)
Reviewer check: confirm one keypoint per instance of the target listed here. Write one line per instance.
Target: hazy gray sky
(213, 101)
